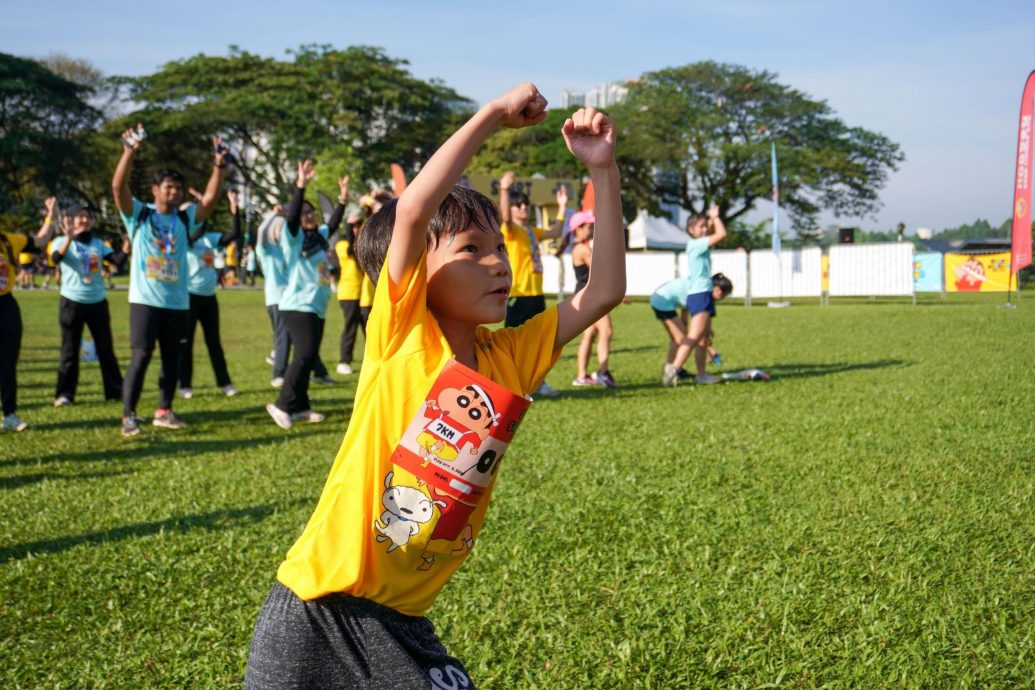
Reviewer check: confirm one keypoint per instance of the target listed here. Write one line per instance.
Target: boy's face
(717, 294)
(698, 228)
(469, 277)
(168, 192)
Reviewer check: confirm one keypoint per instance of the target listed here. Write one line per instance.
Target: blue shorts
(700, 301)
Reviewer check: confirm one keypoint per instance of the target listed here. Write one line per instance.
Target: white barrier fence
(855, 270)
(868, 270)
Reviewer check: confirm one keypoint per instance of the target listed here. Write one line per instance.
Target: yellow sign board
(540, 191)
(979, 273)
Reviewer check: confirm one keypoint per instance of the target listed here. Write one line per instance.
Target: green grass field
(865, 519)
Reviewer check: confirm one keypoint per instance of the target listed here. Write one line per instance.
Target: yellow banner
(540, 191)
(824, 267)
(978, 273)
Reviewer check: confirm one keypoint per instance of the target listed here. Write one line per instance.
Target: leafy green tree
(531, 150)
(700, 134)
(45, 122)
(356, 106)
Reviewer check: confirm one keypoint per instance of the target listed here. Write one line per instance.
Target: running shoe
(343, 369)
(62, 401)
(545, 390)
(325, 379)
(280, 417)
(269, 358)
(277, 382)
(167, 420)
(583, 381)
(669, 376)
(13, 423)
(707, 378)
(683, 374)
(228, 390)
(186, 393)
(130, 426)
(604, 377)
(308, 416)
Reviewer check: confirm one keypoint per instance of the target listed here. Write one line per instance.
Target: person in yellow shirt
(11, 245)
(348, 608)
(350, 287)
(526, 261)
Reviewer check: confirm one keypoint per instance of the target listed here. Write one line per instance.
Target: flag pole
(1020, 236)
(776, 226)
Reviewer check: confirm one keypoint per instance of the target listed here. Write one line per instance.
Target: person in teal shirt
(705, 232)
(303, 303)
(84, 303)
(159, 234)
(204, 308)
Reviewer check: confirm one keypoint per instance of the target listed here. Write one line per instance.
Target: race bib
(452, 449)
(162, 269)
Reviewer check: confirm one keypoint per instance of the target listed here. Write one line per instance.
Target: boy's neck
(462, 341)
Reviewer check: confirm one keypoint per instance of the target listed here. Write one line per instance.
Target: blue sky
(941, 79)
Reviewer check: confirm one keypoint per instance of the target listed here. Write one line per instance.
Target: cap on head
(580, 218)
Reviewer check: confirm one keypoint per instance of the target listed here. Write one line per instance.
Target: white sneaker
(308, 416)
(669, 375)
(62, 401)
(544, 390)
(277, 382)
(13, 423)
(228, 390)
(270, 360)
(186, 393)
(707, 378)
(280, 417)
(343, 369)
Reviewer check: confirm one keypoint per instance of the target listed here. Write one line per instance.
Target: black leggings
(10, 346)
(206, 310)
(73, 316)
(355, 318)
(306, 331)
(146, 326)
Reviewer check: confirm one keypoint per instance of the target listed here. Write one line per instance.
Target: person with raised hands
(80, 254)
(303, 303)
(204, 307)
(159, 234)
(349, 606)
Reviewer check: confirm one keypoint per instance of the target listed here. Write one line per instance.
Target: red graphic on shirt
(454, 447)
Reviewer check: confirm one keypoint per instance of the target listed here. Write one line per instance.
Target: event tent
(648, 232)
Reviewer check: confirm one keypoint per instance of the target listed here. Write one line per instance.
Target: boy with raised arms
(348, 608)
(158, 301)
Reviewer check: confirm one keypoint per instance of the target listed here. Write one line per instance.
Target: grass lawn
(865, 519)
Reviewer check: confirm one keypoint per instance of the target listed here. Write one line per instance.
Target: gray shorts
(339, 641)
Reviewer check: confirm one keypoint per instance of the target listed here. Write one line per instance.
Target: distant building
(602, 96)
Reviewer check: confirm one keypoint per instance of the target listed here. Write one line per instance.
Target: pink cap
(580, 218)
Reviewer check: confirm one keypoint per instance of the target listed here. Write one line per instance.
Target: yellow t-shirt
(8, 266)
(366, 291)
(344, 547)
(526, 261)
(351, 274)
(231, 255)
(50, 252)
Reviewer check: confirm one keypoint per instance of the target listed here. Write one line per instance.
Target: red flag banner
(1020, 253)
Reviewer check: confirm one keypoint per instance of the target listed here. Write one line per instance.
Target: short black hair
(518, 199)
(164, 174)
(462, 208)
(724, 284)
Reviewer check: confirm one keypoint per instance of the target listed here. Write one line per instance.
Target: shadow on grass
(26, 479)
(230, 518)
(164, 446)
(797, 370)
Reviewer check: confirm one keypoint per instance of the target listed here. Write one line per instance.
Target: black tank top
(581, 276)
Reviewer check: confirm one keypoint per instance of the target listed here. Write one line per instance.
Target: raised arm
(215, 181)
(234, 232)
(522, 106)
(58, 255)
(339, 211)
(505, 184)
(590, 137)
(120, 181)
(718, 227)
(50, 223)
(293, 212)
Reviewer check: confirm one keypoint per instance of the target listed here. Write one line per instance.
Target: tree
(700, 134)
(355, 106)
(530, 150)
(45, 123)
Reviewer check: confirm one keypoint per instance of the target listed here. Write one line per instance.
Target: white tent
(655, 233)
